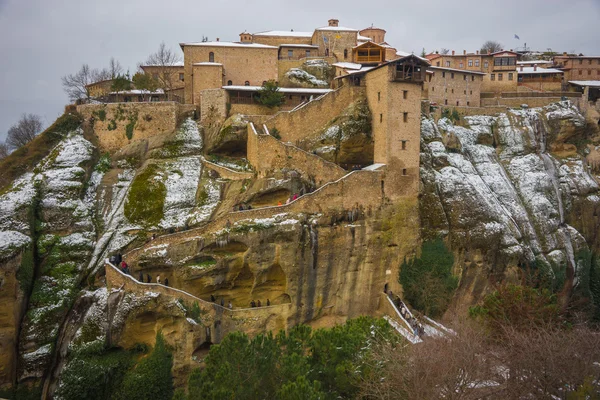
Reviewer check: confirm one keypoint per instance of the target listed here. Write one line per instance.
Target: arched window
(246, 83)
(345, 54)
(229, 83)
(211, 57)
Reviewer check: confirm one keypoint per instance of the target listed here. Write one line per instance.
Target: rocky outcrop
(311, 74)
(506, 203)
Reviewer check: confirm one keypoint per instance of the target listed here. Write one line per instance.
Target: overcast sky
(42, 40)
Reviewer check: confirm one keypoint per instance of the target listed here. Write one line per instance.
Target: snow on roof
(281, 89)
(530, 70)
(139, 91)
(458, 70)
(175, 64)
(360, 71)
(336, 28)
(284, 33)
(299, 45)
(229, 44)
(533, 62)
(374, 167)
(347, 65)
(361, 38)
(214, 64)
(586, 83)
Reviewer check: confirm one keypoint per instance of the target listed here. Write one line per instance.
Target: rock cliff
(510, 194)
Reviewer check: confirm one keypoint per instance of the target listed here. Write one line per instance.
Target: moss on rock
(146, 198)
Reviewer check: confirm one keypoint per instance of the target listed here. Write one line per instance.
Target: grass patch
(27, 157)
(146, 198)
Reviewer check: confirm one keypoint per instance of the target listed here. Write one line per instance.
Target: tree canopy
(270, 95)
(24, 131)
(490, 46)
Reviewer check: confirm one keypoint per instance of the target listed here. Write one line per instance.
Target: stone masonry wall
(227, 173)
(113, 122)
(294, 126)
(213, 101)
(267, 154)
(530, 101)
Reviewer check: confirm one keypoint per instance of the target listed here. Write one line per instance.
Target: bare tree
(490, 46)
(444, 51)
(24, 131)
(3, 150)
(164, 59)
(115, 68)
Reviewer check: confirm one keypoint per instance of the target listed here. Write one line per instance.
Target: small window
(378, 96)
(229, 83)
(471, 92)
(433, 88)
(405, 116)
(246, 83)
(443, 74)
(446, 90)
(486, 64)
(452, 75)
(470, 63)
(452, 90)
(345, 54)
(446, 102)
(290, 53)
(457, 104)
(464, 77)
(468, 103)
(403, 171)
(580, 62)
(404, 145)
(499, 77)
(181, 76)
(380, 117)
(211, 57)
(465, 92)
(473, 78)
(447, 63)
(493, 77)
(477, 63)
(462, 65)
(405, 94)
(307, 53)
(590, 62)
(437, 64)
(580, 72)
(589, 71)
(510, 76)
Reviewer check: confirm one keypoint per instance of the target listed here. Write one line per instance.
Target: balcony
(368, 59)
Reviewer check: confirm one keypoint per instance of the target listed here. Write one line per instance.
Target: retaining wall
(307, 121)
(267, 154)
(114, 121)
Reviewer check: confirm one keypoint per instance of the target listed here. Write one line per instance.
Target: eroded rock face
(311, 74)
(504, 201)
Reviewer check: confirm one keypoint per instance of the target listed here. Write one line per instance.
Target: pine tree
(270, 95)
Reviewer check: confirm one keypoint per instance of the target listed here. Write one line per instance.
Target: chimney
(334, 22)
(452, 52)
(477, 52)
(535, 67)
(464, 52)
(565, 53)
(217, 39)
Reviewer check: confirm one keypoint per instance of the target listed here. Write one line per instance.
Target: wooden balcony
(369, 59)
(403, 76)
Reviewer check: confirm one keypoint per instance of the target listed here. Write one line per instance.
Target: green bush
(269, 95)
(427, 281)
(302, 364)
(103, 163)
(94, 373)
(152, 377)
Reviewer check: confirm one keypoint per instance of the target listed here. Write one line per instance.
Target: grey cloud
(42, 40)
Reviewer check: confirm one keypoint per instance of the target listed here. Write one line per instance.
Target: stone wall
(530, 101)
(213, 105)
(227, 173)
(239, 64)
(252, 109)
(206, 76)
(267, 154)
(451, 88)
(115, 121)
(294, 126)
